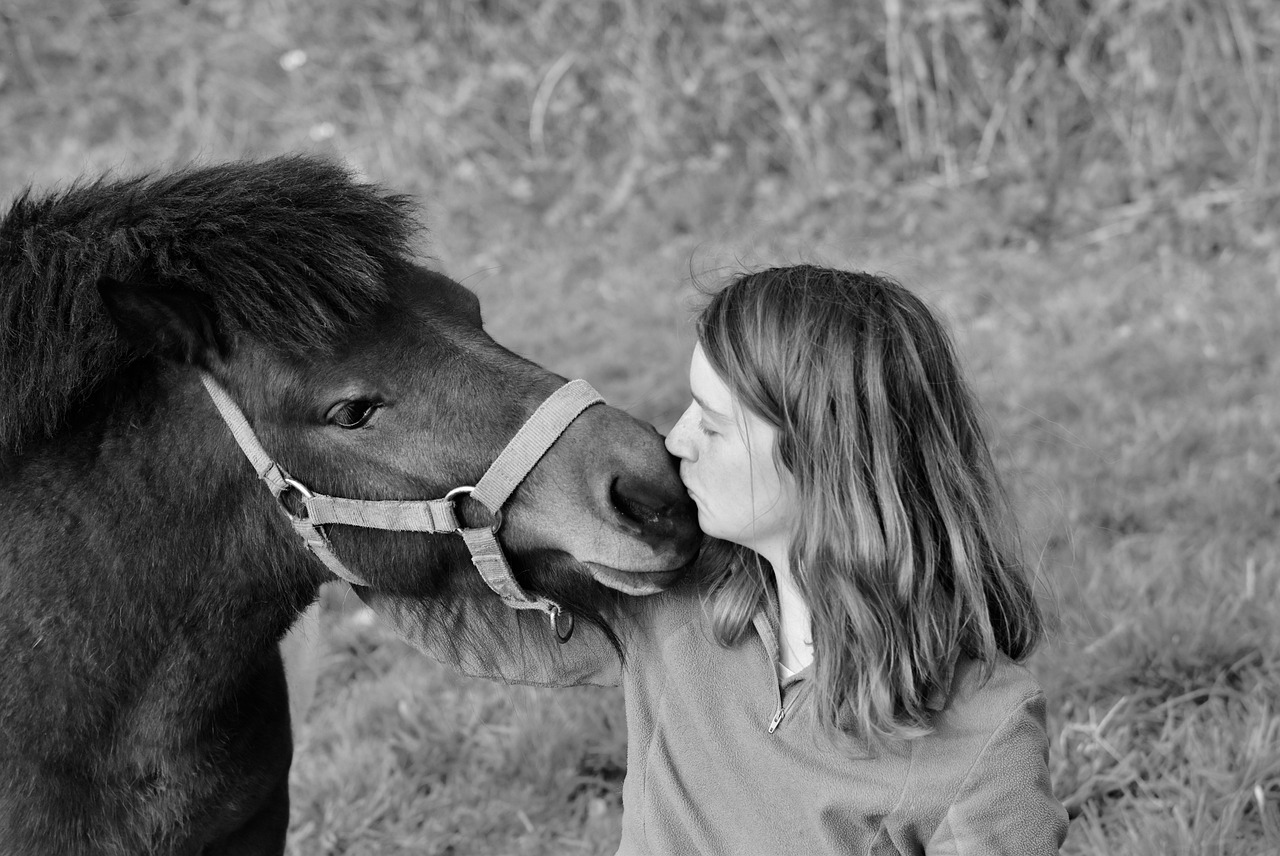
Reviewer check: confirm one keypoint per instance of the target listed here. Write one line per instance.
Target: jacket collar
(766, 624)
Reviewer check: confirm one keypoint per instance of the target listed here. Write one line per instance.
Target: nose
(666, 524)
(677, 442)
(656, 515)
(650, 501)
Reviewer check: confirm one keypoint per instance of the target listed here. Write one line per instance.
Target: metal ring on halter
(304, 491)
(467, 490)
(554, 613)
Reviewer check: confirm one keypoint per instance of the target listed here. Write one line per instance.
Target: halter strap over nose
(439, 516)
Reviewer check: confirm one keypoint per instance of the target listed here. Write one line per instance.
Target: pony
(146, 577)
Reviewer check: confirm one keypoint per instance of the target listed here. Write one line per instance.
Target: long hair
(905, 552)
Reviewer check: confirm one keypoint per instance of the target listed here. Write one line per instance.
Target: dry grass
(1081, 118)
(1088, 190)
(1134, 402)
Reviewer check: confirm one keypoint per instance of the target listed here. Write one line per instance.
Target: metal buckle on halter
(467, 490)
(303, 491)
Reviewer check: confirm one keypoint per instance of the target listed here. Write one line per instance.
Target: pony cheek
(532, 526)
(411, 564)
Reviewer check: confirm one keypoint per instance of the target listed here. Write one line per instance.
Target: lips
(697, 500)
(632, 582)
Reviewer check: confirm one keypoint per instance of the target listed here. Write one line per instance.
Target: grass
(1086, 190)
(1132, 395)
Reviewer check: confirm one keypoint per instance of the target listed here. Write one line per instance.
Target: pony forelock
(291, 252)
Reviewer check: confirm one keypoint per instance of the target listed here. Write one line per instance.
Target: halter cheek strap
(437, 516)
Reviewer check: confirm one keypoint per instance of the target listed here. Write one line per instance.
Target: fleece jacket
(723, 758)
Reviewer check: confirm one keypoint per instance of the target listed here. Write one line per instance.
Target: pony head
(365, 374)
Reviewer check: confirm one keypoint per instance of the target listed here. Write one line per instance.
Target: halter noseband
(438, 516)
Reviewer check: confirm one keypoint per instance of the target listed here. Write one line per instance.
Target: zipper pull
(777, 718)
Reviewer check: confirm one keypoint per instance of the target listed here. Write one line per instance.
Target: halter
(437, 516)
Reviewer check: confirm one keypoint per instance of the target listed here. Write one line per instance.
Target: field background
(1088, 189)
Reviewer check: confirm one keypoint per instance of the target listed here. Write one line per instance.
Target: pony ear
(178, 323)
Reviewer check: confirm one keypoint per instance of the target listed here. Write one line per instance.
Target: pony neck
(144, 541)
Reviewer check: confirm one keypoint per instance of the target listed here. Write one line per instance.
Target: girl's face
(726, 463)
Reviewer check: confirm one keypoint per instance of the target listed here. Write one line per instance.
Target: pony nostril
(644, 511)
(666, 521)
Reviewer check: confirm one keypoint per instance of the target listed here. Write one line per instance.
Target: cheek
(725, 479)
(767, 484)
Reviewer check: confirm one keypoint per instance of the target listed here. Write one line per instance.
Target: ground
(1090, 201)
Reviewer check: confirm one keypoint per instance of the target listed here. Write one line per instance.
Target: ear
(176, 322)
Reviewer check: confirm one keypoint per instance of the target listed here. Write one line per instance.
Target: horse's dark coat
(291, 255)
(145, 575)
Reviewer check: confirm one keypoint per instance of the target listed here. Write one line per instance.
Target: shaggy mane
(290, 250)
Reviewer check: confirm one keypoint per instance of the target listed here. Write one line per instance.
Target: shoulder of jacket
(978, 705)
(975, 711)
(660, 615)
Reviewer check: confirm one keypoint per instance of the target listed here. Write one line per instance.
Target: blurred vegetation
(1082, 117)
(1087, 189)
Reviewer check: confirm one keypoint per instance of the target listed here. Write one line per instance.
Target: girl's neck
(795, 633)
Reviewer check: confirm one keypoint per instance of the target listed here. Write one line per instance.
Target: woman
(839, 674)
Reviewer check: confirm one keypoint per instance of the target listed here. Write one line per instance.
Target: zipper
(777, 717)
(766, 632)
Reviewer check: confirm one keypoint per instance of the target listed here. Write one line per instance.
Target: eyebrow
(710, 411)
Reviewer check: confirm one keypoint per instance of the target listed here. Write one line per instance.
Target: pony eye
(353, 414)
